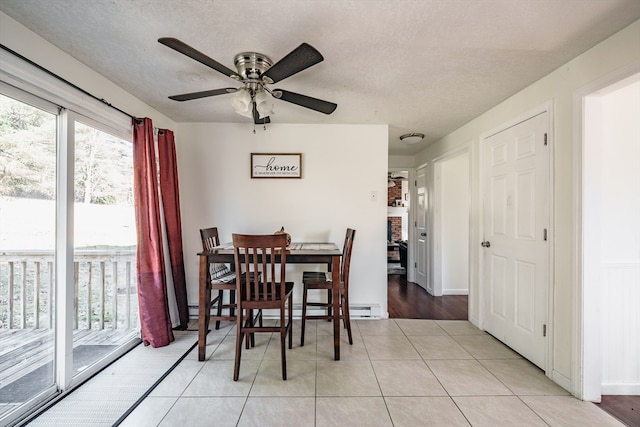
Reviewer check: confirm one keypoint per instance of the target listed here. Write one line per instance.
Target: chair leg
(346, 317)
(219, 310)
(203, 322)
(290, 321)
(239, 337)
(304, 314)
(207, 308)
(250, 339)
(329, 304)
(283, 351)
(232, 302)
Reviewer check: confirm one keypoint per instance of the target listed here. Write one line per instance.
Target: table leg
(202, 309)
(335, 277)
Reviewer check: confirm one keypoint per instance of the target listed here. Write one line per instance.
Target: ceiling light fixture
(242, 103)
(251, 99)
(412, 138)
(244, 99)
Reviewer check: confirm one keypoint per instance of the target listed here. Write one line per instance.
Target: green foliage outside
(103, 165)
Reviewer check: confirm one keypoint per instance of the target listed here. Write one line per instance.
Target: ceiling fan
(255, 72)
(392, 178)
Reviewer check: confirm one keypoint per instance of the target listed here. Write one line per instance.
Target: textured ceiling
(419, 66)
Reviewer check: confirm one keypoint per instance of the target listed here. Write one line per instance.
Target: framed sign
(276, 165)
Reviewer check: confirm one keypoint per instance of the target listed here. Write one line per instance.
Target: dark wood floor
(407, 300)
(624, 408)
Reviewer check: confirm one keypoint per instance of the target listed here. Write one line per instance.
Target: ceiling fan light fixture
(241, 103)
(412, 138)
(263, 104)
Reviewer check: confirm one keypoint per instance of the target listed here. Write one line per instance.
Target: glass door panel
(27, 242)
(105, 302)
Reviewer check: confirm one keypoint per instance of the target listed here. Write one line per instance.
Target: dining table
(327, 253)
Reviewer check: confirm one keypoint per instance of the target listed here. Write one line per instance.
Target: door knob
(486, 244)
(423, 234)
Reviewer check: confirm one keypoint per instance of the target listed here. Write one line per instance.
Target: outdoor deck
(104, 315)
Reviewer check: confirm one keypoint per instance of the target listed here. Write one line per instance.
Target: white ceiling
(419, 66)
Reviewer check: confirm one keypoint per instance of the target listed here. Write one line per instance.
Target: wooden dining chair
(263, 259)
(320, 280)
(220, 279)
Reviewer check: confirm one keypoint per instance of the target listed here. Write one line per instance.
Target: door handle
(423, 234)
(486, 244)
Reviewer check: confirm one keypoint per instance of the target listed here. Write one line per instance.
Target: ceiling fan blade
(302, 57)
(306, 101)
(185, 49)
(256, 117)
(203, 94)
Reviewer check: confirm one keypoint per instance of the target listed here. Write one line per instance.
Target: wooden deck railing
(104, 281)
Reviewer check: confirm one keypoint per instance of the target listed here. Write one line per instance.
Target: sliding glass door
(27, 241)
(105, 297)
(68, 297)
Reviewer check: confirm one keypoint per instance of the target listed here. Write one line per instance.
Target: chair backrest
(346, 256)
(209, 237)
(219, 273)
(260, 254)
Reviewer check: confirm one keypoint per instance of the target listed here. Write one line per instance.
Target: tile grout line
(153, 386)
(192, 379)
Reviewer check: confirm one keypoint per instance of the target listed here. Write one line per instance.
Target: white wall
(616, 152)
(620, 151)
(451, 234)
(341, 166)
(401, 162)
(614, 53)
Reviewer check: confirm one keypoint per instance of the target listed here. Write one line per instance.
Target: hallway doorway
(609, 263)
(398, 212)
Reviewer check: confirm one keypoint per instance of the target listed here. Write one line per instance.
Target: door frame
(587, 369)
(413, 221)
(547, 107)
(411, 236)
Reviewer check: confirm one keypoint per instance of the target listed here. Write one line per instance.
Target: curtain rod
(13, 52)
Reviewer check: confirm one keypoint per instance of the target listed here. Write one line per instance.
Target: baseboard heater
(357, 311)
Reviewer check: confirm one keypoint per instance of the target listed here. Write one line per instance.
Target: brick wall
(396, 234)
(396, 227)
(394, 193)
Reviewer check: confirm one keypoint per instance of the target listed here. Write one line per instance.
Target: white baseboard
(455, 292)
(621, 389)
(356, 311)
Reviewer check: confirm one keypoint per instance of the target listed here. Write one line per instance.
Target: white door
(516, 221)
(421, 228)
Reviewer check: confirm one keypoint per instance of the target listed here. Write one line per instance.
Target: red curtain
(171, 209)
(152, 290)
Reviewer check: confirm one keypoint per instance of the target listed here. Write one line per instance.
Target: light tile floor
(400, 372)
